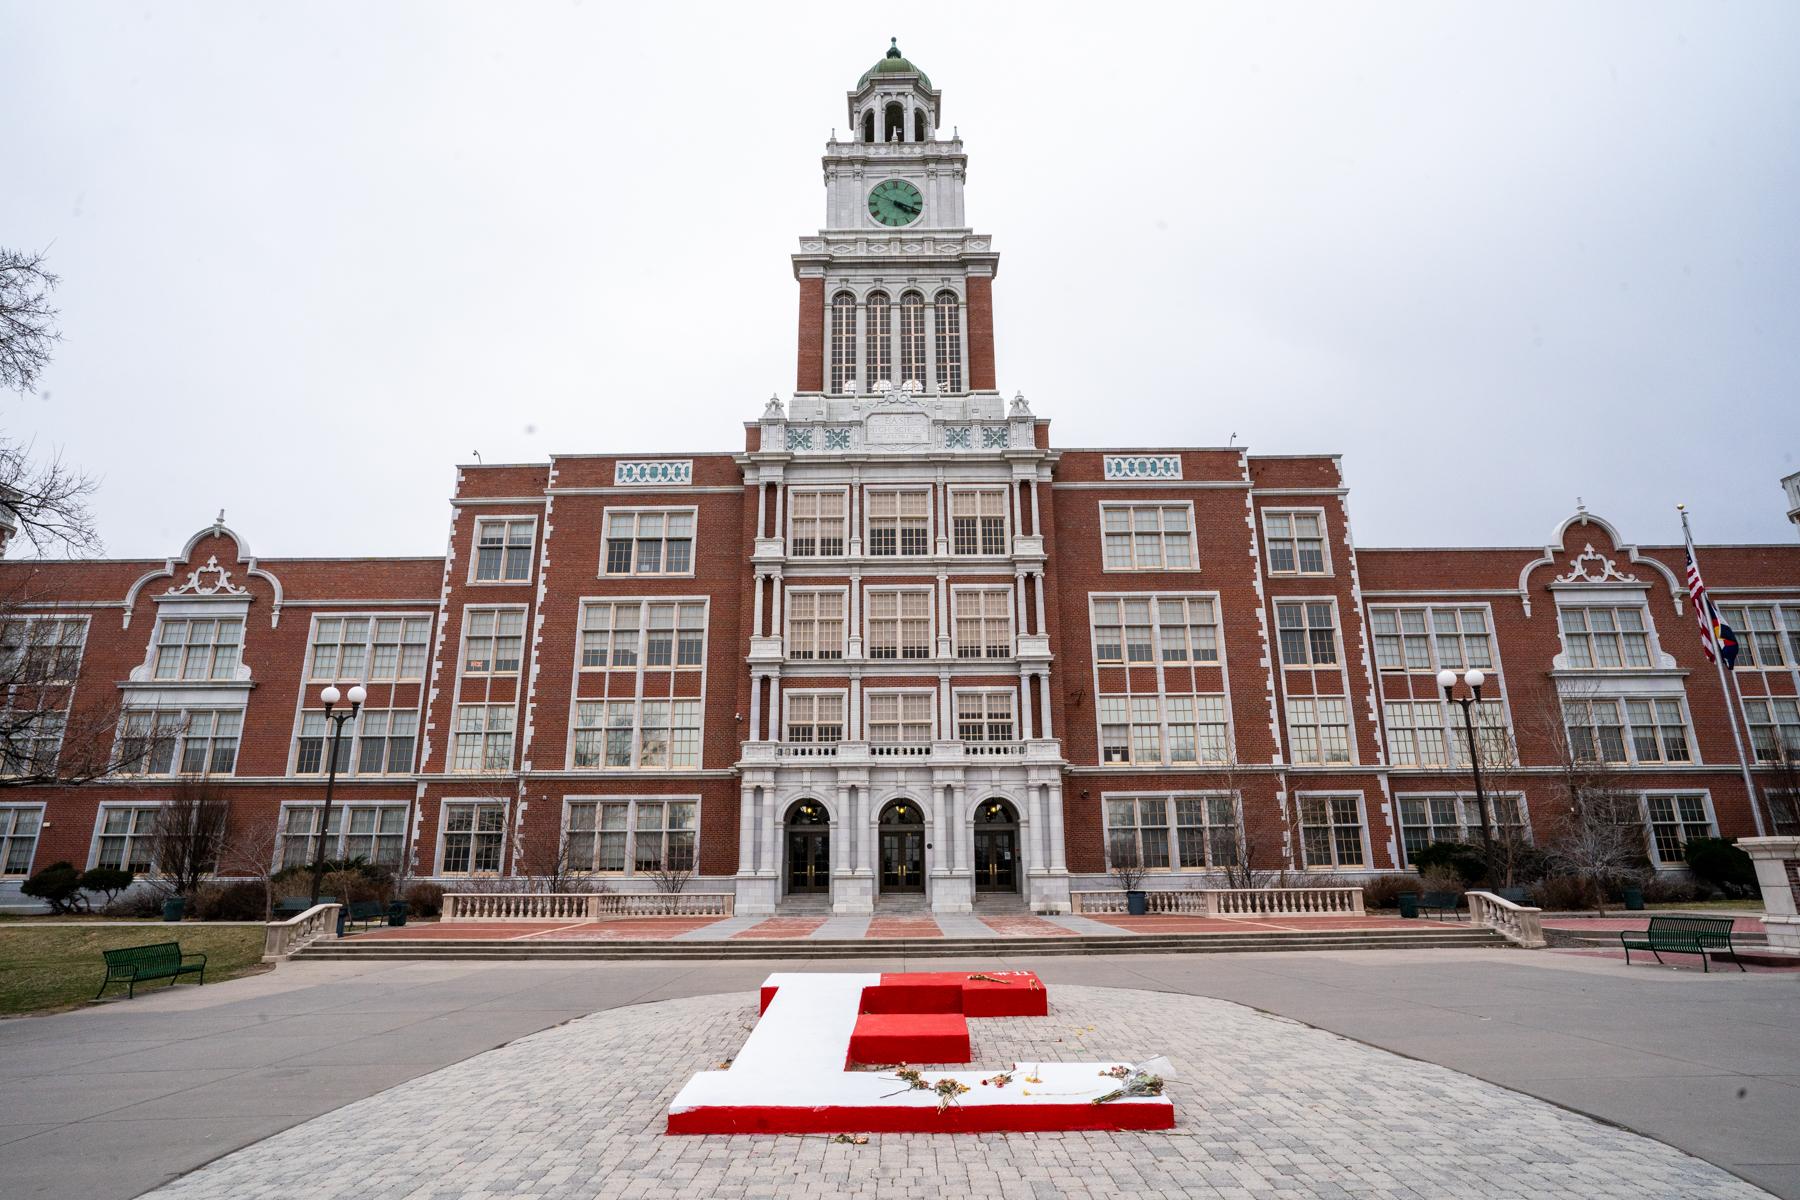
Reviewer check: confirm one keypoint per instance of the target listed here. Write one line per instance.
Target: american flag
(1716, 637)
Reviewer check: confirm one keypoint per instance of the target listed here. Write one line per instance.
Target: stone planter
(1777, 861)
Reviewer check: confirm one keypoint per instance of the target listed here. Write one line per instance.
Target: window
(815, 717)
(1137, 832)
(1308, 633)
(1658, 731)
(1319, 729)
(503, 550)
(197, 649)
(315, 733)
(376, 833)
(30, 741)
(211, 742)
(484, 737)
(1137, 630)
(983, 622)
(40, 650)
(1416, 734)
(1673, 820)
(1598, 730)
(609, 635)
(667, 634)
(816, 624)
(650, 541)
(369, 648)
(207, 741)
(647, 734)
(984, 716)
(899, 624)
(1162, 730)
(1147, 537)
(494, 641)
(978, 521)
(1759, 633)
(899, 717)
(1330, 832)
(1425, 820)
(1597, 638)
(380, 742)
(1296, 542)
(949, 343)
(912, 338)
(1784, 813)
(474, 833)
(1405, 638)
(818, 522)
(878, 346)
(18, 839)
(127, 838)
(843, 342)
(899, 522)
(147, 741)
(605, 835)
(1774, 728)
(1204, 835)
(1187, 630)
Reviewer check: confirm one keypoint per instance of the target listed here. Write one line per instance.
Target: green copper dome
(894, 63)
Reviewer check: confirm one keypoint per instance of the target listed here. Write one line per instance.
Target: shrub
(1675, 889)
(1562, 892)
(425, 899)
(108, 881)
(1440, 880)
(240, 901)
(1468, 863)
(1719, 862)
(59, 886)
(1384, 891)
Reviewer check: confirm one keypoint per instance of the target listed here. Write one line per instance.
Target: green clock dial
(895, 202)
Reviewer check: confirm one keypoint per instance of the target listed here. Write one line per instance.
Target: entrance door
(902, 842)
(996, 848)
(808, 849)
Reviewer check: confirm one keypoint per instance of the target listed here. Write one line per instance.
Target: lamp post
(331, 696)
(1474, 678)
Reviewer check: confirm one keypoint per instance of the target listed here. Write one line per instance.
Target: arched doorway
(808, 848)
(996, 847)
(902, 839)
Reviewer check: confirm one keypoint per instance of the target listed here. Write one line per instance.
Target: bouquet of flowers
(1145, 1079)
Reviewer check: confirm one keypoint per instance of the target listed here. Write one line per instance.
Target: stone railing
(806, 749)
(282, 938)
(1233, 902)
(1514, 922)
(900, 749)
(583, 906)
(993, 749)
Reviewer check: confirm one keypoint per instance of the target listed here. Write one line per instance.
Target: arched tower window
(879, 333)
(868, 126)
(949, 343)
(843, 341)
(894, 123)
(912, 337)
(919, 125)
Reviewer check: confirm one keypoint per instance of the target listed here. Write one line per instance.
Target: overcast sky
(1498, 256)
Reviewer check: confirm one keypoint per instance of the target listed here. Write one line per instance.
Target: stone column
(1777, 861)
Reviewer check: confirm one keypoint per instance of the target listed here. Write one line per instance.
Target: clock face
(895, 202)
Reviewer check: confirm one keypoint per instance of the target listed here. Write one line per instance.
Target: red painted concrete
(928, 1037)
(992, 1118)
(782, 927)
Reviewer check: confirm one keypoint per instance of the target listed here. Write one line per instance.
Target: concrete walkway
(115, 1100)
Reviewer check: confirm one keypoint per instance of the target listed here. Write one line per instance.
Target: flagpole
(1727, 690)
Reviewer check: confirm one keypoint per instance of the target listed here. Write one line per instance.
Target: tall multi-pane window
(1296, 542)
(30, 740)
(18, 838)
(899, 624)
(201, 741)
(494, 642)
(1596, 731)
(912, 338)
(878, 338)
(197, 649)
(503, 550)
(1760, 629)
(385, 741)
(606, 835)
(646, 734)
(1415, 732)
(1157, 730)
(474, 834)
(1774, 728)
(1202, 836)
(816, 623)
(1319, 729)
(978, 521)
(1147, 537)
(1425, 820)
(127, 838)
(1601, 637)
(1179, 629)
(376, 833)
(662, 634)
(314, 736)
(983, 622)
(815, 717)
(818, 521)
(1658, 731)
(483, 738)
(650, 542)
(1673, 821)
(1137, 832)
(147, 740)
(1426, 639)
(1331, 831)
(1308, 633)
(985, 716)
(39, 650)
(898, 717)
(899, 521)
(949, 342)
(843, 343)
(1627, 731)
(369, 648)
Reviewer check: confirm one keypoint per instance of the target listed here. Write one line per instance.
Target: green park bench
(1440, 902)
(1682, 935)
(366, 912)
(294, 906)
(136, 963)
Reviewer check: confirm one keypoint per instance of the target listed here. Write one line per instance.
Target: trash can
(1634, 899)
(174, 907)
(397, 913)
(1136, 904)
(1409, 905)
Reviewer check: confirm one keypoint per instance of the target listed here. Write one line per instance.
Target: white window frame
(1628, 731)
(457, 733)
(1006, 530)
(10, 815)
(868, 711)
(867, 520)
(335, 843)
(1337, 664)
(1641, 605)
(1012, 713)
(1674, 796)
(631, 830)
(231, 669)
(1163, 723)
(508, 520)
(1362, 816)
(1777, 728)
(842, 491)
(868, 621)
(1435, 661)
(470, 612)
(1134, 569)
(30, 623)
(443, 835)
(1269, 539)
(1212, 861)
(153, 807)
(353, 741)
(1785, 618)
(960, 592)
(789, 695)
(369, 643)
(787, 621)
(636, 705)
(179, 732)
(1157, 659)
(1468, 814)
(637, 512)
(1349, 724)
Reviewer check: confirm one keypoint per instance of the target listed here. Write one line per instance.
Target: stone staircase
(804, 906)
(576, 949)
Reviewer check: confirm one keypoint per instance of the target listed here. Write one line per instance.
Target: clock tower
(896, 292)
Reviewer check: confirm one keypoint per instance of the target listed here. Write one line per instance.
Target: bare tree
(27, 318)
(1596, 828)
(1238, 854)
(47, 501)
(188, 835)
(1125, 865)
(542, 861)
(249, 853)
(1779, 767)
(672, 872)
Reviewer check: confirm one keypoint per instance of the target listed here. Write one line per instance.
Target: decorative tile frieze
(837, 439)
(1143, 466)
(995, 437)
(653, 472)
(799, 439)
(958, 437)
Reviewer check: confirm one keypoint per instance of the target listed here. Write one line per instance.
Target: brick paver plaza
(1266, 1107)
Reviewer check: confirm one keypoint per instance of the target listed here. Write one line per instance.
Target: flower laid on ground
(1138, 1085)
(989, 979)
(1000, 1080)
(949, 1092)
(1118, 1072)
(1033, 1077)
(914, 1080)
(851, 1139)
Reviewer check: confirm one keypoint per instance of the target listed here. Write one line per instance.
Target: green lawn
(44, 969)
(1737, 905)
